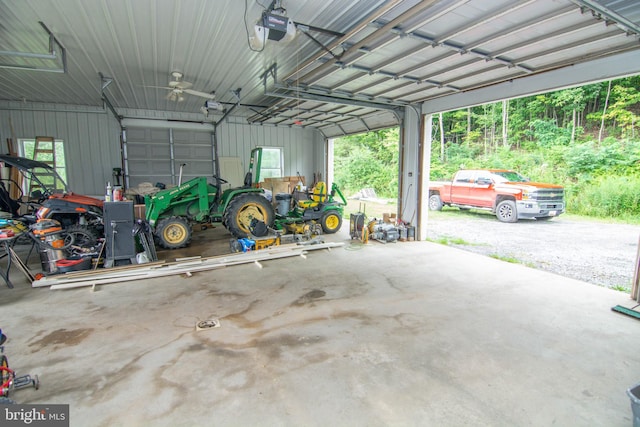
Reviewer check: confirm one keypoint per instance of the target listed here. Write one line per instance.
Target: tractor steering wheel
(221, 180)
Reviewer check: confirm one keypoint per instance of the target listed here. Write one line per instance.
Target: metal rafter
(373, 36)
(525, 25)
(493, 56)
(432, 42)
(627, 25)
(410, 26)
(483, 20)
(558, 33)
(356, 29)
(570, 46)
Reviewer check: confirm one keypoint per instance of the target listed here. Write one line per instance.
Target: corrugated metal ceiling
(392, 53)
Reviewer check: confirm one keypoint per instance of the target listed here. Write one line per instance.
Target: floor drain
(207, 324)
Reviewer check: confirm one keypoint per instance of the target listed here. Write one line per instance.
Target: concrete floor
(410, 333)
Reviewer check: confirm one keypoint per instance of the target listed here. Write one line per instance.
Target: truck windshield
(508, 176)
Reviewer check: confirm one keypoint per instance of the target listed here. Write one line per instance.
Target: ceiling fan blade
(160, 87)
(200, 94)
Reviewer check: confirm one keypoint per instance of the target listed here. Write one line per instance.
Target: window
(53, 155)
(271, 166)
(49, 151)
(464, 176)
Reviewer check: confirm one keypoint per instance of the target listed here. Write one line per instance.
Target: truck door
(482, 193)
(462, 183)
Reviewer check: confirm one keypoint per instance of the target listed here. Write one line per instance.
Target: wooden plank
(21, 265)
(172, 268)
(187, 269)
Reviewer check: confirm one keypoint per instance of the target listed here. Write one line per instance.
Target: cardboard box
(139, 211)
(389, 218)
(277, 185)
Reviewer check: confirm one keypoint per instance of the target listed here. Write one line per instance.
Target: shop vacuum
(48, 235)
(52, 243)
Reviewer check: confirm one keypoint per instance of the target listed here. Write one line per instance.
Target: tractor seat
(319, 195)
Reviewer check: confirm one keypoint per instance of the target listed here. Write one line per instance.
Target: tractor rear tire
(242, 209)
(331, 222)
(173, 232)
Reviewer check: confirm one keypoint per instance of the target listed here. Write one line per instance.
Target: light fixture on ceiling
(211, 105)
(273, 25)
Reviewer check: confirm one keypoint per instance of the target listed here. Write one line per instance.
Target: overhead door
(159, 156)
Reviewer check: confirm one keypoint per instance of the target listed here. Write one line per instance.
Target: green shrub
(608, 197)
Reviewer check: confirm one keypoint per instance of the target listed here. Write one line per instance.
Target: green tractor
(170, 212)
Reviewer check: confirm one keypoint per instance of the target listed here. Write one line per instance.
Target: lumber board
(187, 269)
(160, 269)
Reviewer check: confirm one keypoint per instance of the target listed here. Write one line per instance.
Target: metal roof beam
(627, 25)
(399, 19)
(483, 20)
(523, 26)
(570, 46)
(601, 69)
(356, 29)
(558, 33)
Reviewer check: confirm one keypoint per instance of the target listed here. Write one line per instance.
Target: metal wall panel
(91, 139)
(92, 143)
(303, 148)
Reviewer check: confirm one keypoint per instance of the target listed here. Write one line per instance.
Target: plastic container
(283, 201)
(108, 197)
(634, 395)
(73, 264)
(117, 193)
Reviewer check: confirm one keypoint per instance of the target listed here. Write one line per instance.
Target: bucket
(283, 203)
(634, 395)
(411, 233)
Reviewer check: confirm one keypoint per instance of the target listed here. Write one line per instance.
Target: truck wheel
(506, 211)
(435, 203)
(331, 222)
(173, 232)
(242, 209)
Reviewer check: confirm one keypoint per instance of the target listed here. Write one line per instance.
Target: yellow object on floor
(266, 242)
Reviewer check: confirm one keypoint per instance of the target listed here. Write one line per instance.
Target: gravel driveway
(594, 252)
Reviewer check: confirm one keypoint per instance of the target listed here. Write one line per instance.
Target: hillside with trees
(585, 138)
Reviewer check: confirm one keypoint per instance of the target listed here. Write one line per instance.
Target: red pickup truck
(507, 194)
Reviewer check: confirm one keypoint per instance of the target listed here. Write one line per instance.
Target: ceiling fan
(178, 87)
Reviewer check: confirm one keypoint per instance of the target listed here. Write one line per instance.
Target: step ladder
(44, 151)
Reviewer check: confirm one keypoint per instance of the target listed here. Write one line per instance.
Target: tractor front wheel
(173, 232)
(331, 222)
(244, 208)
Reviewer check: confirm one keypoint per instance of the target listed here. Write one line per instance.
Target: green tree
(368, 160)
